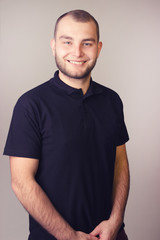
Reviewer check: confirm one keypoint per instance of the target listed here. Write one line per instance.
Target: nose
(77, 51)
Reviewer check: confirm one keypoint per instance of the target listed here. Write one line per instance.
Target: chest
(79, 120)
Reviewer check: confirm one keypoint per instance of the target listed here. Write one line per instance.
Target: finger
(95, 232)
(93, 238)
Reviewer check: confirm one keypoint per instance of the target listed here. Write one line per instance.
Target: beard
(73, 74)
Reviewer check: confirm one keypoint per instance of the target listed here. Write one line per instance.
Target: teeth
(78, 63)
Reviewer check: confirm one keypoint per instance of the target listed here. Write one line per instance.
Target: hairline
(88, 18)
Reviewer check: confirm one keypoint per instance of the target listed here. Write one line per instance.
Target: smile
(77, 63)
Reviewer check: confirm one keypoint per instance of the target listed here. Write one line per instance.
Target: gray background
(128, 63)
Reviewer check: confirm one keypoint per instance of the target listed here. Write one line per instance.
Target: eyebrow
(65, 37)
(84, 40)
(89, 40)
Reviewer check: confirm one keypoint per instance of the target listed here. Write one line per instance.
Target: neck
(76, 83)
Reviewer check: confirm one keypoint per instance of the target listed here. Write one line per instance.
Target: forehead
(75, 29)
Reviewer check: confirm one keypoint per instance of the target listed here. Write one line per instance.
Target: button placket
(84, 113)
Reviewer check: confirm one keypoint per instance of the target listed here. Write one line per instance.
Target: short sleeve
(24, 137)
(123, 136)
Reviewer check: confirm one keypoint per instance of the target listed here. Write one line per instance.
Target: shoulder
(106, 92)
(35, 95)
(33, 102)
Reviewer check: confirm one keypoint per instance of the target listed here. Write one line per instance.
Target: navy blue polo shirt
(74, 137)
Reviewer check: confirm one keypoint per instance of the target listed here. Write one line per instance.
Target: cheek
(92, 53)
(62, 52)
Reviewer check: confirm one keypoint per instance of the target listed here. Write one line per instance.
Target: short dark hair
(79, 16)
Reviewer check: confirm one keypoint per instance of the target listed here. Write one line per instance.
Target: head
(79, 16)
(76, 45)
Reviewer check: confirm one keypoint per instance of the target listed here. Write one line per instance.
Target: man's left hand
(106, 230)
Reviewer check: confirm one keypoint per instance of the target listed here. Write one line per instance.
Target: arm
(36, 202)
(121, 185)
(107, 230)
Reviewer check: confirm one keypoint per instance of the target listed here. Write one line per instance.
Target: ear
(99, 47)
(52, 44)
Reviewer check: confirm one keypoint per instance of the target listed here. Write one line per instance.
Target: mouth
(77, 62)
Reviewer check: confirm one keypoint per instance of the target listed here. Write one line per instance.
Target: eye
(67, 43)
(87, 44)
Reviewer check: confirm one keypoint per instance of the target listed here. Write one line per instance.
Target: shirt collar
(94, 87)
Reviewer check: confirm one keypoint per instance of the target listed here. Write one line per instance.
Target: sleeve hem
(14, 153)
(123, 142)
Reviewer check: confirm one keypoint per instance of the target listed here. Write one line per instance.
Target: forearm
(108, 229)
(36, 202)
(120, 187)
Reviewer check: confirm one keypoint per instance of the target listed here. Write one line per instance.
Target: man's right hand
(84, 236)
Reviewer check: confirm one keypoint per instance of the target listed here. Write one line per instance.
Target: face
(75, 48)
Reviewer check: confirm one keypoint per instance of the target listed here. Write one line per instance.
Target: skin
(108, 230)
(76, 50)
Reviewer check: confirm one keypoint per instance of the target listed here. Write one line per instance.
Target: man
(66, 144)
